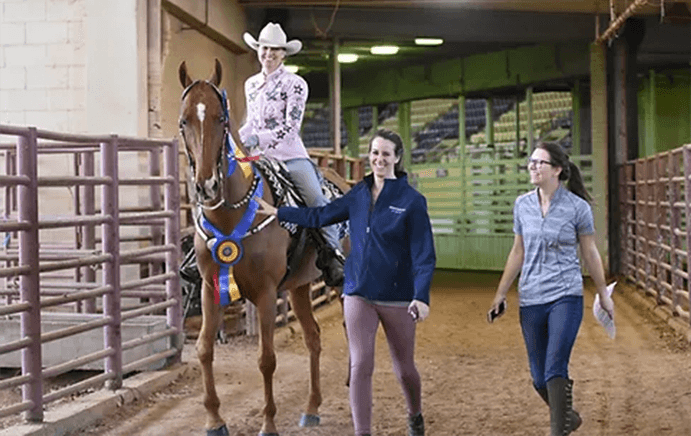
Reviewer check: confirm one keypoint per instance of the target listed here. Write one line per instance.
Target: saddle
(284, 193)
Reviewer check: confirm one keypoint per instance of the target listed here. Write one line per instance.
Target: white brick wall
(12, 33)
(42, 64)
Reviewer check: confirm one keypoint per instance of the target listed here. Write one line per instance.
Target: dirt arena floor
(475, 377)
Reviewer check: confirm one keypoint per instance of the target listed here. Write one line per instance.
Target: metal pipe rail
(141, 363)
(76, 296)
(133, 254)
(149, 338)
(148, 281)
(19, 226)
(77, 387)
(56, 370)
(14, 308)
(79, 328)
(148, 309)
(16, 408)
(14, 381)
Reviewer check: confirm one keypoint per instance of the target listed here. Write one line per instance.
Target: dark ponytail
(569, 171)
(392, 136)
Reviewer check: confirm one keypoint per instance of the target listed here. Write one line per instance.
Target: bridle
(226, 248)
(224, 167)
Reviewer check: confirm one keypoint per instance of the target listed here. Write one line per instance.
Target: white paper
(601, 314)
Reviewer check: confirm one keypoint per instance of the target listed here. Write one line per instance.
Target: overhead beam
(182, 11)
(580, 6)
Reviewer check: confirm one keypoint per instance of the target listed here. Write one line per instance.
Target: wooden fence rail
(656, 226)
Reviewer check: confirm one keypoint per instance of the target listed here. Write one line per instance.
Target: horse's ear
(184, 78)
(217, 74)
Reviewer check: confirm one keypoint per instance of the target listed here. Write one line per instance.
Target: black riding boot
(559, 394)
(416, 425)
(330, 262)
(575, 420)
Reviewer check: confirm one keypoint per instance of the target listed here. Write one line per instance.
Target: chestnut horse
(225, 184)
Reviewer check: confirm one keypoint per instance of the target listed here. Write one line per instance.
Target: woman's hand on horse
(265, 208)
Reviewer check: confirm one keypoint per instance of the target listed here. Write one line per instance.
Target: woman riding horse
(275, 107)
(234, 247)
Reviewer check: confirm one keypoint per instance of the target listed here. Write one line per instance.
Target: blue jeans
(305, 177)
(549, 331)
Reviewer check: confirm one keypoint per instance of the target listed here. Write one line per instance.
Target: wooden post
(576, 121)
(600, 139)
(530, 129)
(462, 153)
(335, 97)
(404, 131)
(489, 116)
(352, 122)
(651, 117)
(518, 124)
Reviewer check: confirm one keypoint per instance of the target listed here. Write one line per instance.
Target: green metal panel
(664, 110)
(470, 203)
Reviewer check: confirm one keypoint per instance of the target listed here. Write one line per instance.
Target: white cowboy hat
(272, 35)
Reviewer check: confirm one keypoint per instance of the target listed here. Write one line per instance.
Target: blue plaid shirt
(551, 268)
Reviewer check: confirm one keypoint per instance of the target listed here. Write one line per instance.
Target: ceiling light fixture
(292, 68)
(429, 41)
(347, 58)
(384, 50)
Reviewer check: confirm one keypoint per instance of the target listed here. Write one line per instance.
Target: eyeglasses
(538, 162)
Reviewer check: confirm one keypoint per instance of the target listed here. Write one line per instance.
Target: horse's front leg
(302, 306)
(215, 426)
(266, 310)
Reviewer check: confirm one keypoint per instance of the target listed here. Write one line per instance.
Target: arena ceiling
(467, 27)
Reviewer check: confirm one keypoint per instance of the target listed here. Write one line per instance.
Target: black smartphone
(494, 314)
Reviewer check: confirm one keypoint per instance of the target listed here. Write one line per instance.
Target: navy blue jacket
(392, 250)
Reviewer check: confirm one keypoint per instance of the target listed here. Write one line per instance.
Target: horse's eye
(183, 123)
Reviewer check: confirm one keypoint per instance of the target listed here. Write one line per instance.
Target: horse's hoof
(220, 431)
(309, 420)
(268, 434)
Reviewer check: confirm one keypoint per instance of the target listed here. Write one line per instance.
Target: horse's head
(203, 126)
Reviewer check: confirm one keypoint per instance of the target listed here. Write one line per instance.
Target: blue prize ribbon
(235, 236)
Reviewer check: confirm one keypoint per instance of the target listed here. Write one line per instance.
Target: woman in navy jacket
(387, 273)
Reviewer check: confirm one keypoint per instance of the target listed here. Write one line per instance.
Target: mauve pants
(362, 320)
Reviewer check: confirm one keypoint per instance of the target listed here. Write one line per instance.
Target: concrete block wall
(43, 64)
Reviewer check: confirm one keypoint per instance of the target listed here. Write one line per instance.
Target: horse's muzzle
(208, 189)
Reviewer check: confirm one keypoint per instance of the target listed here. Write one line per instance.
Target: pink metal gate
(656, 228)
(28, 264)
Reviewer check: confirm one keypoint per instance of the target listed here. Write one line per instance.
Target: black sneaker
(416, 425)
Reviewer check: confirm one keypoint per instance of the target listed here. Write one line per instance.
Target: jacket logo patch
(396, 210)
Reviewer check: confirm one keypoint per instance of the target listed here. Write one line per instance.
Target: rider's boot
(331, 263)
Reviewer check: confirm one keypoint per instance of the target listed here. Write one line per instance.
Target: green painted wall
(670, 126)
(474, 74)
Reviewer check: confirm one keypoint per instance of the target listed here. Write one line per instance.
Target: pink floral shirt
(275, 107)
